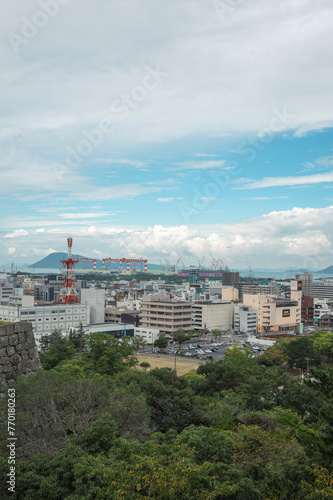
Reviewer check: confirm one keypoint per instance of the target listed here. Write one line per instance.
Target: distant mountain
(298, 271)
(327, 270)
(52, 261)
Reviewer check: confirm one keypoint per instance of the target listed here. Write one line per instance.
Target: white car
(208, 350)
(200, 352)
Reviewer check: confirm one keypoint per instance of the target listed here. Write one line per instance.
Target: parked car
(208, 350)
(210, 357)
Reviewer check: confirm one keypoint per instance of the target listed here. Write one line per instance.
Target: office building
(165, 314)
(245, 319)
(209, 315)
(274, 314)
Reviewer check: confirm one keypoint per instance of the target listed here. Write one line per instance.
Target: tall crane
(89, 260)
(249, 266)
(201, 263)
(127, 262)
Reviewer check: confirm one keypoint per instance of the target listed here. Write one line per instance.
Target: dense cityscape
(125, 302)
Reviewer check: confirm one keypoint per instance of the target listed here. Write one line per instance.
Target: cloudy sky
(151, 129)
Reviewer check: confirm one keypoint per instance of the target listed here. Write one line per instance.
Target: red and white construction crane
(127, 261)
(89, 260)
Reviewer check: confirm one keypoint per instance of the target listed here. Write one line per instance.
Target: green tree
(56, 348)
(216, 332)
(161, 342)
(273, 460)
(107, 355)
(323, 344)
(298, 350)
(169, 397)
(145, 365)
(273, 356)
(137, 342)
(181, 337)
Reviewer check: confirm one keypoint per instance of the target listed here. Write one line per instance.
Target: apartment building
(208, 315)
(274, 314)
(165, 314)
(256, 288)
(6, 290)
(302, 283)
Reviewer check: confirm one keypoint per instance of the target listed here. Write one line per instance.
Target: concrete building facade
(245, 319)
(148, 334)
(275, 314)
(209, 315)
(46, 318)
(165, 314)
(95, 298)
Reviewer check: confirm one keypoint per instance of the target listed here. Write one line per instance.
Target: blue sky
(151, 130)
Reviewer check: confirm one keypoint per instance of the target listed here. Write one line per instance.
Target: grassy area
(156, 362)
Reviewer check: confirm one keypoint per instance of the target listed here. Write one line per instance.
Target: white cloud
(203, 165)
(203, 155)
(17, 233)
(11, 250)
(301, 237)
(165, 200)
(262, 198)
(284, 181)
(122, 162)
(87, 215)
(224, 76)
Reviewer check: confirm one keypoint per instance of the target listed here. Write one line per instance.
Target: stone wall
(37, 424)
(18, 353)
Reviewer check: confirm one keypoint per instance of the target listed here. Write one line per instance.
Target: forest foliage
(240, 428)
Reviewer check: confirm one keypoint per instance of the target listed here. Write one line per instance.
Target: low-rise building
(117, 330)
(148, 334)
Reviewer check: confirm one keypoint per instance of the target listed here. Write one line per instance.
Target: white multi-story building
(44, 318)
(148, 334)
(209, 315)
(245, 319)
(6, 290)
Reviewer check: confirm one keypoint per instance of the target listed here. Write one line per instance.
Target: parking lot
(206, 349)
